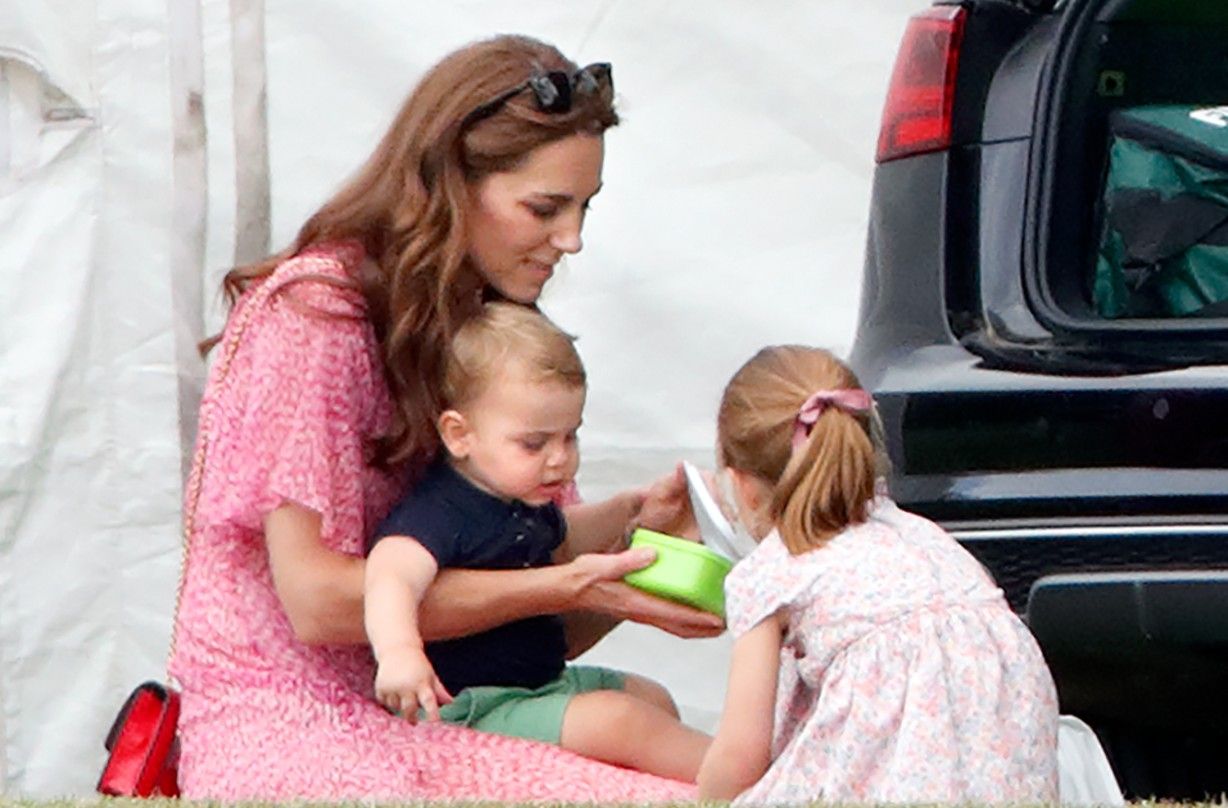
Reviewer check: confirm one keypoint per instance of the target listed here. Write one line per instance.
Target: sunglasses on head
(554, 91)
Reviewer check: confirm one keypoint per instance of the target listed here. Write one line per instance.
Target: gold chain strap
(230, 345)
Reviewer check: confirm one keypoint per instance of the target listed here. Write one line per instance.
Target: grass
(111, 802)
(161, 802)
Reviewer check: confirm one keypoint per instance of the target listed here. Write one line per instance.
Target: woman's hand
(665, 506)
(597, 578)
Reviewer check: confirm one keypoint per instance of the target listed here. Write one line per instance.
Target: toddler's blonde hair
(826, 483)
(504, 336)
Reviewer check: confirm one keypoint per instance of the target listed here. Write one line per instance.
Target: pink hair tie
(855, 401)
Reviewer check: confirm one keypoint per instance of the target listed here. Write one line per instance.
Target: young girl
(514, 389)
(875, 661)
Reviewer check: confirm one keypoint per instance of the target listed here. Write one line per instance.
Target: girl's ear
(455, 433)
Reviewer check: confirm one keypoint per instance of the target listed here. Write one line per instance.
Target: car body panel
(1087, 468)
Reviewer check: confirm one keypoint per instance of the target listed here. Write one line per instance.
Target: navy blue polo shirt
(463, 526)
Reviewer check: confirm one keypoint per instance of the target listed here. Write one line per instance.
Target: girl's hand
(406, 681)
(665, 506)
(598, 587)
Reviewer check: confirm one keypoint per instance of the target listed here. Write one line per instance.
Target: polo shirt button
(525, 565)
(519, 537)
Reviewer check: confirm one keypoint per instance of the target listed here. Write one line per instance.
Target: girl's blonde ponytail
(827, 483)
(821, 483)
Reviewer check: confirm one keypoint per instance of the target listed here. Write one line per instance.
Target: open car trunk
(1129, 199)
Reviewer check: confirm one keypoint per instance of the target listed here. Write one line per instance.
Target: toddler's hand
(406, 681)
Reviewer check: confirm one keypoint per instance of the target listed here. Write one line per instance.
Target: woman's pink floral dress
(905, 677)
(265, 716)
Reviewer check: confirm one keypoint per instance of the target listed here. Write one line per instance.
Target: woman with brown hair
(320, 409)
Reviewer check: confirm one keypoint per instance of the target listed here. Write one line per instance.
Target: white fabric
(734, 215)
(1084, 775)
(89, 444)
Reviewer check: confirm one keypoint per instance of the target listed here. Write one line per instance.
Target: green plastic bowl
(685, 571)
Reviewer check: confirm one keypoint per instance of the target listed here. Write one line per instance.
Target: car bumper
(1137, 647)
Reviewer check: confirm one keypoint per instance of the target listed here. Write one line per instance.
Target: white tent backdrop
(733, 216)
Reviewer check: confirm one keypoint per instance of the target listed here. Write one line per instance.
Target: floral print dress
(905, 677)
(265, 716)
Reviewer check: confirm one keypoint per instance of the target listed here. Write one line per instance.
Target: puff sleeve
(293, 418)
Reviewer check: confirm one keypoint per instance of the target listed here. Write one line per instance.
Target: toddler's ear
(454, 432)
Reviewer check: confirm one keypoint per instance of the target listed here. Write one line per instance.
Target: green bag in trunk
(1164, 245)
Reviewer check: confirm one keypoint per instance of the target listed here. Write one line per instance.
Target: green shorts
(521, 712)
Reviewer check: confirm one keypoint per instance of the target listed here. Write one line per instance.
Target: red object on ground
(144, 755)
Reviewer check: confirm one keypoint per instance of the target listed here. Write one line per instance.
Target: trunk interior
(1119, 54)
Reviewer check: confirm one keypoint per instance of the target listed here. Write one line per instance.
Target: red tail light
(917, 116)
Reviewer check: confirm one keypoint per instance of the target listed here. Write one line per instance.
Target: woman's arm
(465, 601)
(321, 590)
(583, 630)
(742, 749)
(602, 528)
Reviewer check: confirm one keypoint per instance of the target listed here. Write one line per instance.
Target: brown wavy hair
(827, 483)
(408, 207)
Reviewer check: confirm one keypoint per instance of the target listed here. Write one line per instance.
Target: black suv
(1083, 457)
